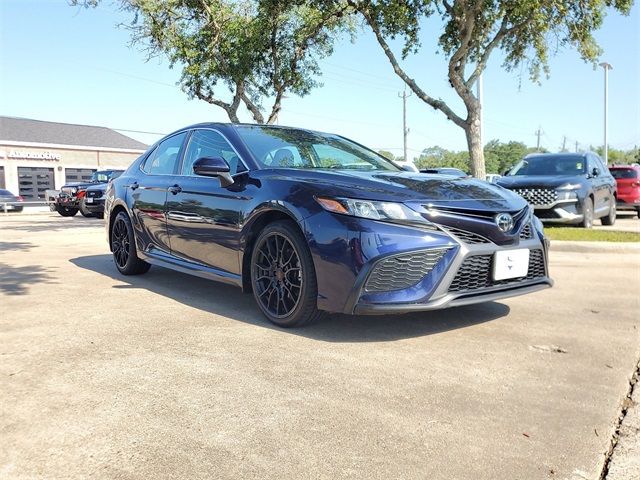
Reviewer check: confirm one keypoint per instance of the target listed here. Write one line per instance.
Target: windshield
(624, 173)
(291, 148)
(105, 176)
(550, 165)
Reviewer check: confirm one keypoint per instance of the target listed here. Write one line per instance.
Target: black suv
(71, 198)
(569, 188)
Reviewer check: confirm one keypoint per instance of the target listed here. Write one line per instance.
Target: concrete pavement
(169, 376)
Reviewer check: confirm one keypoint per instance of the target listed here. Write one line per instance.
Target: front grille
(526, 233)
(94, 193)
(475, 273)
(538, 196)
(467, 237)
(403, 271)
(547, 214)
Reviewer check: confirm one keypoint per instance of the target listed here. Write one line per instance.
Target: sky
(73, 65)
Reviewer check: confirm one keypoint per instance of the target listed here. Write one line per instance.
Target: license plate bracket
(509, 264)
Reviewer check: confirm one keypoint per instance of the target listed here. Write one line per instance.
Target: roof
(16, 129)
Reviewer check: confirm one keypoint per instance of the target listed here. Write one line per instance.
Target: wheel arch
(257, 222)
(119, 207)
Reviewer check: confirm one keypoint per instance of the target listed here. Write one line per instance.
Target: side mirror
(506, 172)
(595, 172)
(213, 167)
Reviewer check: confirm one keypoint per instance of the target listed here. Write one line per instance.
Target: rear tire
(587, 212)
(66, 211)
(610, 219)
(283, 278)
(123, 246)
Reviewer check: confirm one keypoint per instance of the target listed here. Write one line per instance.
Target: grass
(590, 235)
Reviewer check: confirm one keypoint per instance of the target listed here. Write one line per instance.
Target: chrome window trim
(191, 132)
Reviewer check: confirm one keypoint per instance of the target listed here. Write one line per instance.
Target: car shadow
(229, 301)
(15, 246)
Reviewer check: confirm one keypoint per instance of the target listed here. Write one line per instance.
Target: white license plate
(510, 264)
(89, 200)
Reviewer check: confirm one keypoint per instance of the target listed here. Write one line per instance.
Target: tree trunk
(474, 143)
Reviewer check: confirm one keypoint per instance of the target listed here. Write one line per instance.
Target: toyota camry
(311, 222)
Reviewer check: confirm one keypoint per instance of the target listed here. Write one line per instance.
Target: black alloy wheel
(610, 218)
(124, 249)
(282, 276)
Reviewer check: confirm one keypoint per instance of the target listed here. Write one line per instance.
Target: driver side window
(208, 143)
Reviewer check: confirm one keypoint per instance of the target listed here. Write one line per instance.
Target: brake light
(635, 184)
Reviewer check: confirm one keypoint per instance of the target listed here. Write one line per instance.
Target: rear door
(203, 218)
(148, 194)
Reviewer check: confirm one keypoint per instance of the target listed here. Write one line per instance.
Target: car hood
(409, 187)
(546, 181)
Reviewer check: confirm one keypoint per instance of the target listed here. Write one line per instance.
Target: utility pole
(405, 130)
(606, 66)
(564, 143)
(576, 146)
(538, 134)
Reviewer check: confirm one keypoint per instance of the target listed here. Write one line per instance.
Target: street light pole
(606, 66)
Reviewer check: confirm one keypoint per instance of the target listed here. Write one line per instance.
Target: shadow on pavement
(15, 246)
(230, 302)
(58, 224)
(17, 280)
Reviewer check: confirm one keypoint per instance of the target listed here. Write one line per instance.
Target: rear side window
(624, 173)
(162, 161)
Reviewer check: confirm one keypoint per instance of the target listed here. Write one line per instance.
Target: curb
(595, 247)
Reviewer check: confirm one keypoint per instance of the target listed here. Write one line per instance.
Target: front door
(203, 218)
(149, 194)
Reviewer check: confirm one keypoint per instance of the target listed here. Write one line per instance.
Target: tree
(526, 31)
(387, 154)
(502, 156)
(248, 51)
(436, 157)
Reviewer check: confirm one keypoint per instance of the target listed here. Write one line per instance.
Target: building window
(78, 174)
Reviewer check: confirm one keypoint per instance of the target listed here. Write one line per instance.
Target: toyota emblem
(504, 222)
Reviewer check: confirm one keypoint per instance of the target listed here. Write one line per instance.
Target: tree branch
(435, 103)
(253, 108)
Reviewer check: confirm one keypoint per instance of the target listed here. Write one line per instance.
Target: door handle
(175, 189)
(134, 186)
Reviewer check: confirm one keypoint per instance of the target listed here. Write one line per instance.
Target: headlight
(371, 209)
(569, 186)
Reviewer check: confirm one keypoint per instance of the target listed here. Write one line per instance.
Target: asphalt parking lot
(170, 376)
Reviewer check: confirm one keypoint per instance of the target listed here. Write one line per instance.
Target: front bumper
(97, 206)
(345, 269)
(67, 201)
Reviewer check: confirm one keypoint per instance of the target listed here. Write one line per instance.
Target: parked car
(71, 200)
(312, 222)
(492, 177)
(628, 182)
(10, 202)
(568, 188)
(93, 200)
(455, 172)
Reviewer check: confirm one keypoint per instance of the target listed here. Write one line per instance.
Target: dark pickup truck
(71, 199)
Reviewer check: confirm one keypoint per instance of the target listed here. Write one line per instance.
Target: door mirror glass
(213, 167)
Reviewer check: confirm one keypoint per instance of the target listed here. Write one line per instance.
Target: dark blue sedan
(312, 222)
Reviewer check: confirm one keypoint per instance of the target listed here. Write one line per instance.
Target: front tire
(123, 246)
(283, 278)
(67, 211)
(587, 213)
(84, 211)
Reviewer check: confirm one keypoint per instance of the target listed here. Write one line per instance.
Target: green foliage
(249, 50)
(500, 156)
(435, 157)
(590, 235)
(386, 154)
(617, 156)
